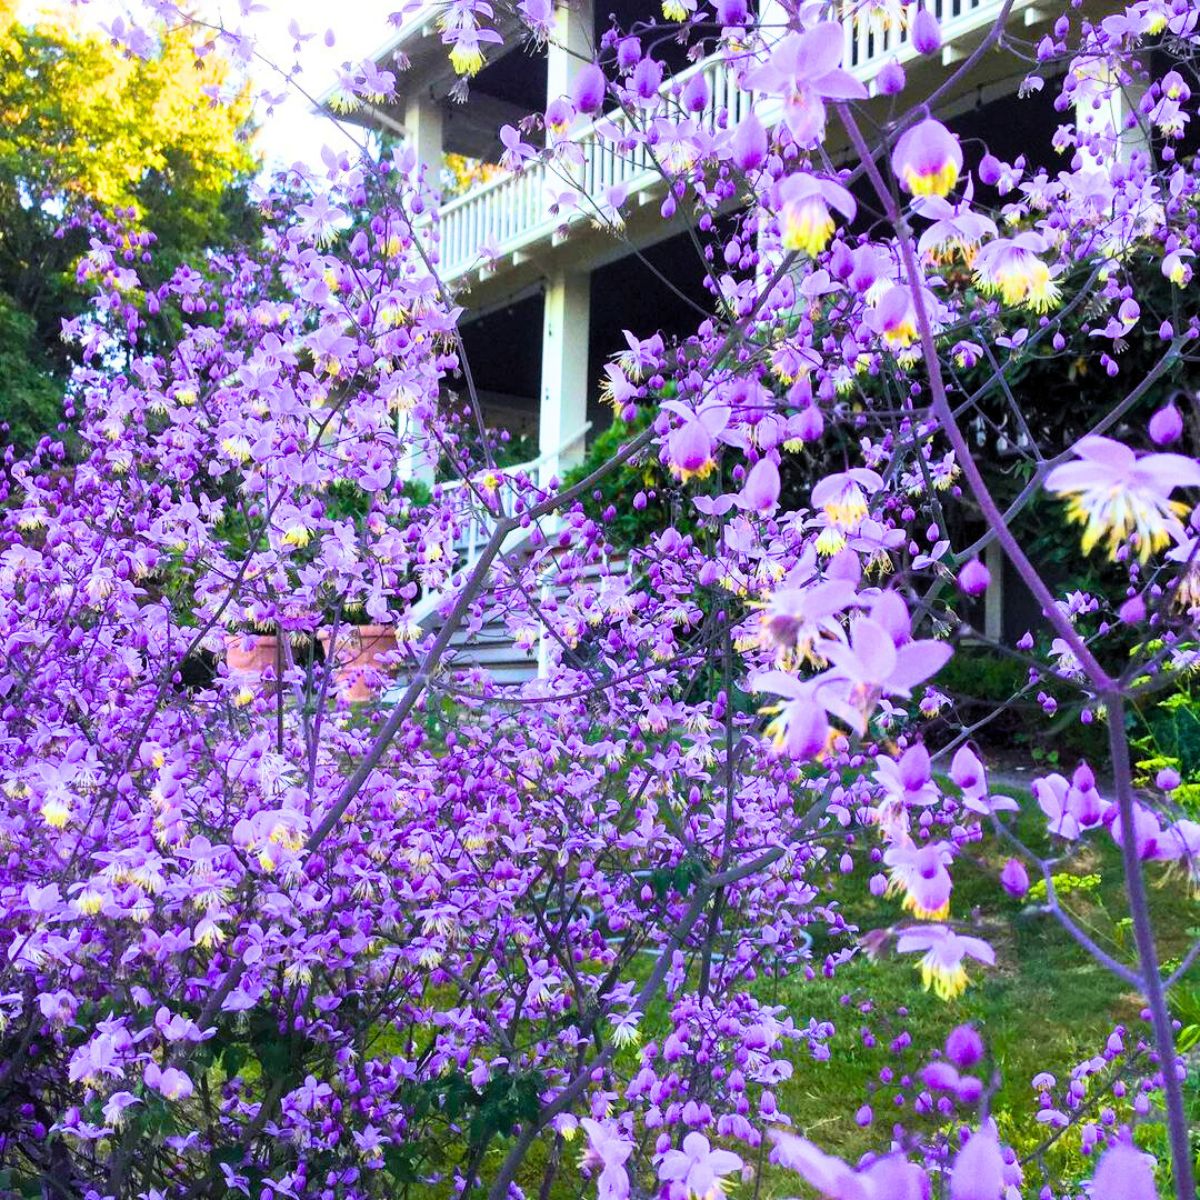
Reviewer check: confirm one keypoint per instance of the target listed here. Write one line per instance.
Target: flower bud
(696, 93)
(748, 146)
(1133, 611)
(810, 424)
(926, 32)
(927, 159)
(1014, 879)
(974, 578)
(964, 1047)
(761, 492)
(990, 170)
(1166, 425)
(891, 79)
(588, 90)
(629, 51)
(732, 12)
(647, 78)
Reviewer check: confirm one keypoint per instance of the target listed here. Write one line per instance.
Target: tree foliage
(84, 124)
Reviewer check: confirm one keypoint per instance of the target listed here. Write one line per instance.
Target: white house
(548, 305)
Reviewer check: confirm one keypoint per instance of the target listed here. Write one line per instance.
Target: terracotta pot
(358, 669)
(249, 655)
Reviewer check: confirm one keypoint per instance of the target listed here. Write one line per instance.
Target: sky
(289, 131)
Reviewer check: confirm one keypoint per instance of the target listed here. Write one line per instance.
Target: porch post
(993, 598)
(418, 458)
(571, 45)
(565, 336)
(423, 126)
(423, 132)
(1107, 110)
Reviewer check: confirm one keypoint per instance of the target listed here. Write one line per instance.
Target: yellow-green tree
(84, 125)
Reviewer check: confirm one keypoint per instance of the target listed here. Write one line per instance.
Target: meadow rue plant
(474, 938)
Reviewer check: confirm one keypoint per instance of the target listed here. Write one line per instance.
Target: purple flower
(699, 1168)
(894, 318)
(319, 221)
(587, 89)
(926, 32)
(1120, 497)
(810, 425)
(1014, 879)
(748, 145)
(1124, 1173)
(872, 666)
(801, 727)
(760, 493)
(797, 617)
(891, 79)
(843, 495)
(978, 1170)
(1149, 837)
(560, 112)
(828, 1175)
(944, 953)
(805, 70)
(608, 1148)
(690, 450)
(956, 228)
(964, 1046)
(696, 93)
(169, 1082)
(920, 872)
(516, 151)
(1182, 842)
(1167, 780)
(115, 1106)
(647, 78)
(974, 578)
(732, 12)
(1070, 807)
(691, 446)
(908, 780)
(927, 159)
(1166, 426)
(1011, 268)
(1133, 611)
(891, 1176)
(804, 202)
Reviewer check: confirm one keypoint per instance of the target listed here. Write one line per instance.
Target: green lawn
(1045, 1006)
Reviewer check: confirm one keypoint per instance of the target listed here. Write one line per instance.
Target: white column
(418, 456)
(993, 598)
(565, 335)
(571, 44)
(1103, 108)
(423, 128)
(422, 132)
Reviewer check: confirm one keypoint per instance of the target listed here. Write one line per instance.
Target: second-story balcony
(505, 221)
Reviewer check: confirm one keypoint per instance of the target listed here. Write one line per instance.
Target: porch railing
(512, 211)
